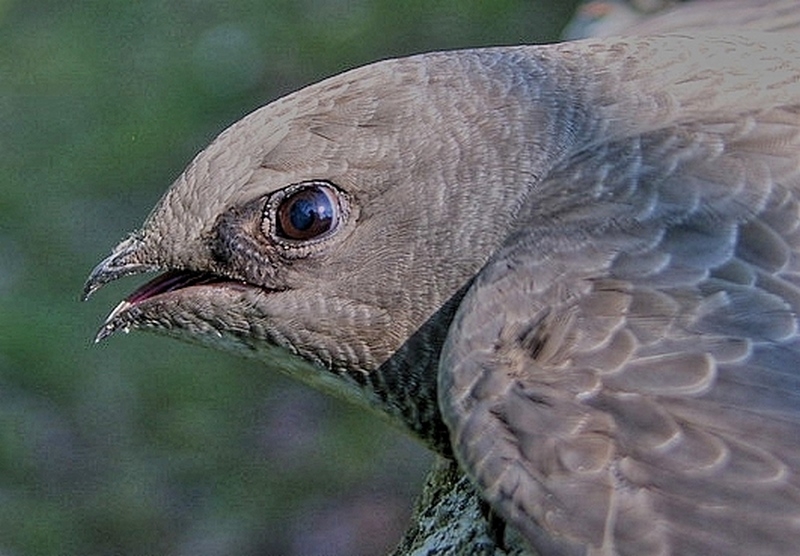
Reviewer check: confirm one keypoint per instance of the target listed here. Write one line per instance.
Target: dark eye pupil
(303, 214)
(306, 214)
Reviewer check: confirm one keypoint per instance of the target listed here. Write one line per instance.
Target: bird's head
(340, 221)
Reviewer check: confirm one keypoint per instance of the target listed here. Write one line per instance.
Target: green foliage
(143, 445)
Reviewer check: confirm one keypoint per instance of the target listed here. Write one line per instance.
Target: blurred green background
(141, 445)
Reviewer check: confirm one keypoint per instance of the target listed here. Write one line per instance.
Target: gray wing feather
(764, 15)
(605, 18)
(623, 378)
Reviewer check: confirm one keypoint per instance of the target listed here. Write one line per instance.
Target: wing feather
(623, 378)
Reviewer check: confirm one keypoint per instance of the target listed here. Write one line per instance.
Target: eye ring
(304, 213)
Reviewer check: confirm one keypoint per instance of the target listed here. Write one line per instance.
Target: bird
(573, 269)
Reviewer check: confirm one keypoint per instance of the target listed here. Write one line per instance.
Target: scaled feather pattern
(574, 268)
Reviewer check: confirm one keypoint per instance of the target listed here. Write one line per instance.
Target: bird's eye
(309, 212)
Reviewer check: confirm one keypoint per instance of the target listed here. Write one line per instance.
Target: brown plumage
(574, 267)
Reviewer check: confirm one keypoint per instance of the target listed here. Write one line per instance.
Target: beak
(123, 261)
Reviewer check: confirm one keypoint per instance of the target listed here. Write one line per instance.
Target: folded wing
(623, 378)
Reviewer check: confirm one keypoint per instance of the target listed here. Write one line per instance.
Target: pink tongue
(170, 281)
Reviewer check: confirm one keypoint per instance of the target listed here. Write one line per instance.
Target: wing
(606, 18)
(763, 15)
(623, 378)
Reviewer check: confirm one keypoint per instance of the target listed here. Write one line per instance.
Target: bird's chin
(187, 306)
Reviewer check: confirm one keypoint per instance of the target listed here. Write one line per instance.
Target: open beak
(126, 260)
